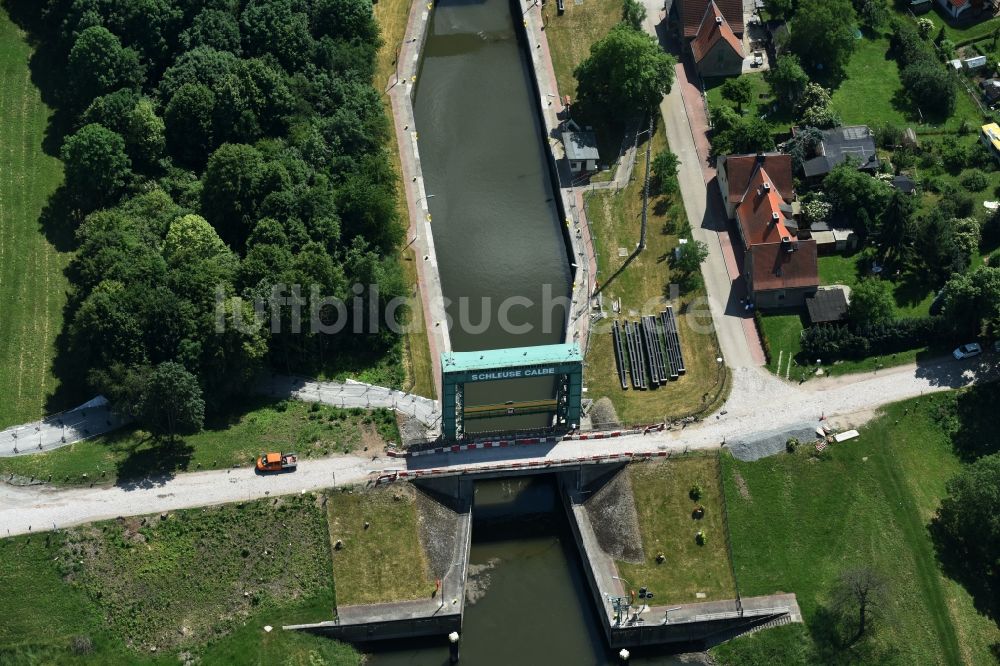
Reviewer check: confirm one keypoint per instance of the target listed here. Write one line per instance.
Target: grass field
(203, 582)
(385, 561)
(32, 284)
(667, 526)
(571, 35)
(391, 16)
(287, 425)
(798, 520)
(643, 287)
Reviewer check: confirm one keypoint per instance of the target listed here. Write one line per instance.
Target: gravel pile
(603, 415)
(438, 527)
(769, 443)
(614, 519)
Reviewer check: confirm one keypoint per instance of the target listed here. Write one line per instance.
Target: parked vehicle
(277, 462)
(967, 351)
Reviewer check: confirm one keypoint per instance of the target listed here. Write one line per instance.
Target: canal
(498, 236)
(494, 214)
(528, 602)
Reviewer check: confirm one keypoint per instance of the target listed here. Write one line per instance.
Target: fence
(725, 528)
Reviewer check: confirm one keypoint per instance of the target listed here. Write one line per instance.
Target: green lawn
(961, 35)
(202, 582)
(309, 429)
(643, 286)
(668, 526)
(571, 35)
(32, 284)
(798, 520)
(385, 561)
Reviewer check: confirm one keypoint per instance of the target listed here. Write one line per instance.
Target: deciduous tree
(97, 168)
(823, 35)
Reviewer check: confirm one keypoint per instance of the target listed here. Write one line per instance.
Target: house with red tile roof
(716, 49)
(734, 173)
(780, 268)
(692, 12)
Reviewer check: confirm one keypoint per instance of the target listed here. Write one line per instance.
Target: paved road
(759, 402)
(740, 348)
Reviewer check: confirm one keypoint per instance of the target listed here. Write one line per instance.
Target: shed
(975, 62)
(581, 151)
(904, 184)
(827, 305)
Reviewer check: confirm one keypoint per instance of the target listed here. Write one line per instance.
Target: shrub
(975, 181)
(791, 444)
(695, 492)
(835, 342)
(699, 538)
(81, 645)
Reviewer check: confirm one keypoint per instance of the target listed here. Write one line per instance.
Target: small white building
(581, 149)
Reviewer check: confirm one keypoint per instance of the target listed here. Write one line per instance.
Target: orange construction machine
(277, 462)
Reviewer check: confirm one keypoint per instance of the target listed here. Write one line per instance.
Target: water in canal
(495, 219)
(533, 605)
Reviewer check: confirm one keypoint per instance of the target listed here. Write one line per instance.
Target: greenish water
(495, 219)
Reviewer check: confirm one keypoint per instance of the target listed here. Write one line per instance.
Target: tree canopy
(823, 35)
(627, 73)
(215, 151)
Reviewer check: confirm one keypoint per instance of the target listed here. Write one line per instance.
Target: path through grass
(32, 285)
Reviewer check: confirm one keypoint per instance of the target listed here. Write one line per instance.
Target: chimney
(767, 188)
(718, 20)
(774, 218)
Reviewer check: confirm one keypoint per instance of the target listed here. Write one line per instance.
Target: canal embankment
(400, 559)
(575, 225)
(421, 239)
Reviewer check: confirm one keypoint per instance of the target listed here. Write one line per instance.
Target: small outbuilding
(581, 150)
(827, 305)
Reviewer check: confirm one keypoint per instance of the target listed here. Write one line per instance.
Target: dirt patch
(370, 439)
(411, 430)
(478, 580)
(438, 528)
(741, 485)
(614, 519)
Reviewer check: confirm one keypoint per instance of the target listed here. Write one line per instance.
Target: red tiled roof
(958, 3)
(712, 30)
(774, 267)
(760, 216)
(693, 11)
(739, 169)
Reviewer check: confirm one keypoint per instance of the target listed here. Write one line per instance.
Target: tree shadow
(911, 290)
(956, 564)
(973, 435)
(151, 462)
(837, 644)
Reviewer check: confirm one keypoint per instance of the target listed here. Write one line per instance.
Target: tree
(344, 19)
(633, 14)
(787, 79)
(664, 168)
(895, 230)
(860, 593)
(925, 25)
(189, 119)
(626, 74)
(274, 27)
(739, 91)
(967, 533)
(144, 134)
(873, 14)
(99, 64)
(971, 302)
(739, 134)
(939, 247)
(688, 259)
(172, 402)
(214, 28)
(230, 191)
(96, 166)
(856, 195)
(871, 304)
(823, 35)
(780, 9)
(930, 87)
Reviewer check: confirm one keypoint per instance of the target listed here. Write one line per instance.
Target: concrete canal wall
(401, 95)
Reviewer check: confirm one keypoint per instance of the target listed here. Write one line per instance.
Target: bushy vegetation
(213, 151)
(833, 342)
